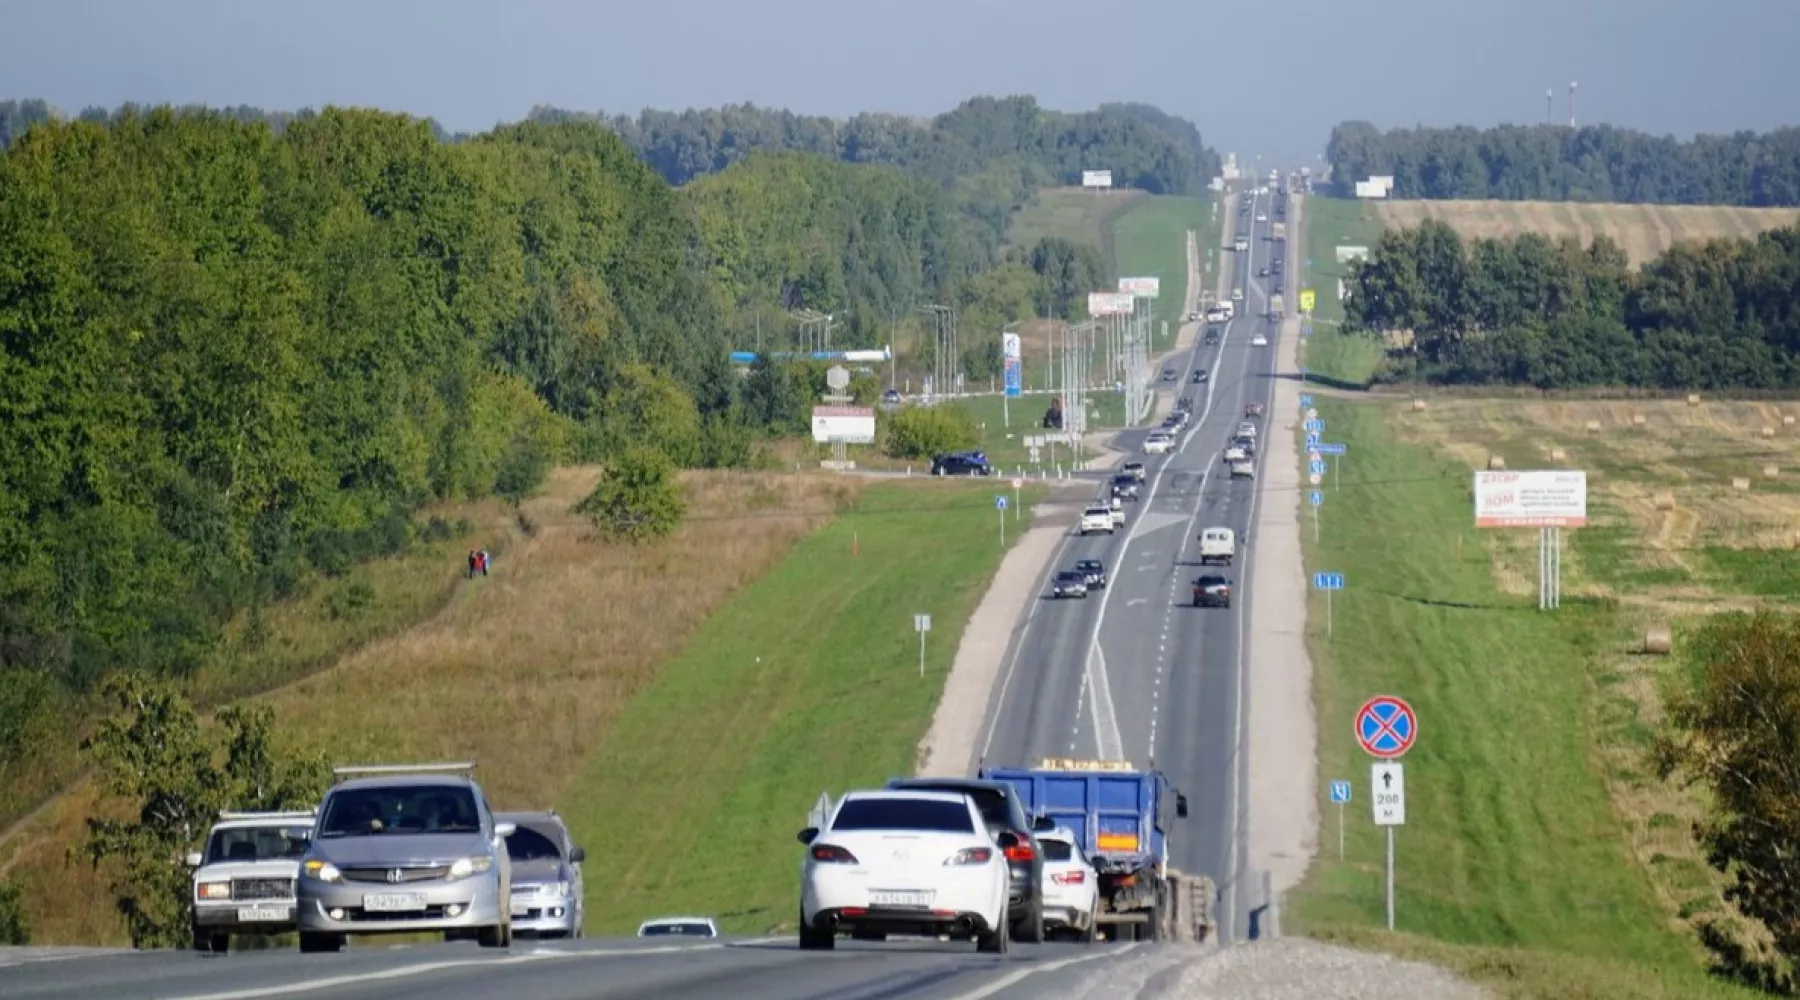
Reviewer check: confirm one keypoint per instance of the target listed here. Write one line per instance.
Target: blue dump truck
(1121, 816)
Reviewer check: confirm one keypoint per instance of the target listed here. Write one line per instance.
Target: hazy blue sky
(1257, 78)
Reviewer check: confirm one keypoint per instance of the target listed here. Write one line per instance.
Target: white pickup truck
(1218, 546)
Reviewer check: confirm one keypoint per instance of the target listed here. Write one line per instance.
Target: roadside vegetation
(1150, 240)
(1334, 357)
(1643, 232)
(1544, 854)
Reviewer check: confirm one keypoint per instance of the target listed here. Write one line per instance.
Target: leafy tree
(173, 777)
(638, 497)
(928, 431)
(14, 930)
(1737, 732)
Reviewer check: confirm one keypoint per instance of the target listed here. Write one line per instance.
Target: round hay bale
(1693, 399)
(1787, 420)
(1658, 639)
(1593, 426)
(1664, 501)
(1771, 471)
(1496, 463)
(1558, 455)
(1768, 431)
(1418, 404)
(1637, 420)
(1740, 482)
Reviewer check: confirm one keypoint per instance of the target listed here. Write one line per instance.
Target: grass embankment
(1005, 446)
(523, 671)
(1071, 213)
(806, 682)
(1541, 855)
(1150, 240)
(1643, 231)
(1331, 358)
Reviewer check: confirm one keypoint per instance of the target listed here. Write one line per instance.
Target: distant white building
(1377, 186)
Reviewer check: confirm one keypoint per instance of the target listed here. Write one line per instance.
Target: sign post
(1000, 505)
(1316, 498)
(1015, 485)
(921, 625)
(1328, 582)
(1340, 796)
(1386, 728)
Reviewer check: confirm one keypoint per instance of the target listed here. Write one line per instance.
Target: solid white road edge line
(1014, 978)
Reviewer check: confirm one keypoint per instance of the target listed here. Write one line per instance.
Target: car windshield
(258, 843)
(684, 929)
(1099, 512)
(903, 814)
(1089, 566)
(355, 812)
(1068, 577)
(1057, 850)
(527, 844)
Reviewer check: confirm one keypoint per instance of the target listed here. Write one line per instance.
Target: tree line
(1594, 163)
(1527, 310)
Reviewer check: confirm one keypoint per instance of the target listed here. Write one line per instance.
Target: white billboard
(1009, 345)
(849, 424)
(1143, 288)
(1346, 254)
(1111, 303)
(1545, 498)
(1370, 189)
(1096, 178)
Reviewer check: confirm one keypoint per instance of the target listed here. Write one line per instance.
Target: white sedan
(904, 862)
(1243, 470)
(1259, 341)
(1158, 443)
(1071, 886)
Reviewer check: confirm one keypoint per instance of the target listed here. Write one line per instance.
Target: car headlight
(214, 890)
(470, 867)
(324, 871)
(560, 890)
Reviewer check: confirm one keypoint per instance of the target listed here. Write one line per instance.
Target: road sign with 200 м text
(1387, 793)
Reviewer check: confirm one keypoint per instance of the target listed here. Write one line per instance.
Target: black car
(1212, 591)
(965, 463)
(1069, 583)
(1002, 810)
(1125, 486)
(1200, 375)
(891, 396)
(1095, 571)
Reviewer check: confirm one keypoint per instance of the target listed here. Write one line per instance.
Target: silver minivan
(547, 888)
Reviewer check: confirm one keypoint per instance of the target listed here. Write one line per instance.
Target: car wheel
(995, 942)
(1087, 933)
(1031, 929)
(815, 940)
(313, 943)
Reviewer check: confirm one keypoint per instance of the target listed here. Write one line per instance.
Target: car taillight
(832, 854)
(1069, 878)
(971, 856)
(1020, 851)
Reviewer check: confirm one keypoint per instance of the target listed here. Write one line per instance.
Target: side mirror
(505, 830)
(806, 836)
(577, 856)
(193, 859)
(1181, 809)
(1043, 824)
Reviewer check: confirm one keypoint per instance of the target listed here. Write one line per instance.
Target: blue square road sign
(1328, 581)
(1000, 502)
(1316, 467)
(1315, 498)
(1340, 792)
(1305, 400)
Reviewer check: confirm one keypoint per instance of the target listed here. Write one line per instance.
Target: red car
(1253, 410)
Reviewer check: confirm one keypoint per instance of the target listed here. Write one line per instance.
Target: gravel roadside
(1286, 969)
(1283, 799)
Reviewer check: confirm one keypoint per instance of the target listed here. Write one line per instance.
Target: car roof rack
(362, 770)
(230, 814)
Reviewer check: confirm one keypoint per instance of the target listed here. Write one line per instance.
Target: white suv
(244, 880)
(1097, 517)
(1071, 885)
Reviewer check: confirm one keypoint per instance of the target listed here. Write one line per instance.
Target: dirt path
(1284, 811)
(949, 745)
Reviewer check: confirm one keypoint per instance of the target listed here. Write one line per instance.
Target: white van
(1218, 546)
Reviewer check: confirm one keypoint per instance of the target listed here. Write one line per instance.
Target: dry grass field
(522, 671)
(1644, 231)
(1693, 508)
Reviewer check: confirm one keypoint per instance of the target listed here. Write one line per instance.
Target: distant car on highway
(1253, 410)
(405, 849)
(1097, 517)
(1125, 486)
(1262, 217)
(905, 861)
(547, 885)
(961, 463)
(1259, 341)
(1117, 509)
(1168, 374)
(694, 927)
(1235, 453)
(244, 881)
(1095, 571)
(891, 396)
(1262, 272)
(1237, 294)
(1199, 375)
(1133, 468)
(1069, 583)
(1243, 470)
(1159, 443)
(1246, 428)
(1217, 546)
(1212, 591)
(1009, 824)
(1071, 885)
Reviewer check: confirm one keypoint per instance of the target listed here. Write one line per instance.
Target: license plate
(891, 898)
(263, 914)
(520, 909)
(394, 902)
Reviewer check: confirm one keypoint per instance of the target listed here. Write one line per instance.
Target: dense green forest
(1596, 163)
(1528, 311)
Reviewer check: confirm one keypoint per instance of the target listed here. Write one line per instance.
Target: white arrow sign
(1387, 788)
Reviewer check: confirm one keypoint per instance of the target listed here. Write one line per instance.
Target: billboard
(1143, 288)
(1012, 362)
(849, 424)
(1096, 178)
(1346, 254)
(1111, 303)
(1546, 498)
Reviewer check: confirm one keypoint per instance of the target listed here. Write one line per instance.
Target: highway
(1136, 672)
(741, 969)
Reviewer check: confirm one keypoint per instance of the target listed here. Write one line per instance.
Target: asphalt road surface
(1135, 671)
(595, 969)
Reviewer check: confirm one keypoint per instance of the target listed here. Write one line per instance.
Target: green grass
(1513, 861)
(806, 682)
(1336, 360)
(1005, 446)
(1073, 214)
(1150, 239)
